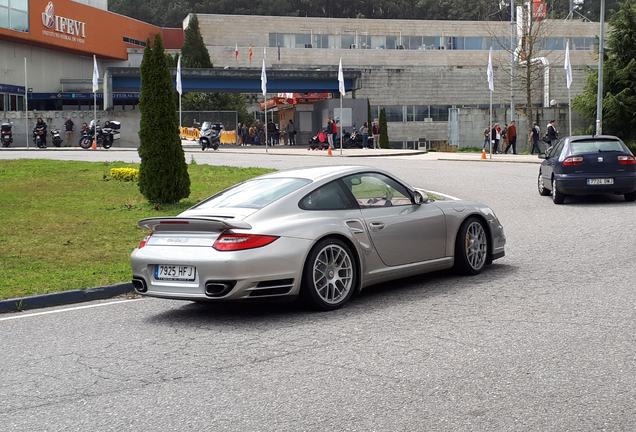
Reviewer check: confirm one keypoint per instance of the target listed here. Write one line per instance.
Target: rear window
(253, 193)
(594, 146)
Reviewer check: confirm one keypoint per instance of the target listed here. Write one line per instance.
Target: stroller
(318, 142)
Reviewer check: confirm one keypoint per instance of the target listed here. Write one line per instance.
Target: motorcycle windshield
(205, 126)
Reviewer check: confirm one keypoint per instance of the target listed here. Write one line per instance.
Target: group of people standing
(508, 137)
(498, 136)
(41, 129)
(252, 135)
(376, 131)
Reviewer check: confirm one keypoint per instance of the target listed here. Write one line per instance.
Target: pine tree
(619, 80)
(163, 173)
(384, 137)
(194, 53)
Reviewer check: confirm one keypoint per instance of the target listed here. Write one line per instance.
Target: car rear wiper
(609, 151)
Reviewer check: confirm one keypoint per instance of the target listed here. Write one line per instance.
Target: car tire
(630, 196)
(471, 247)
(543, 191)
(329, 275)
(557, 197)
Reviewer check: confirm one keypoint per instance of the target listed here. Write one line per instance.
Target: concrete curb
(66, 297)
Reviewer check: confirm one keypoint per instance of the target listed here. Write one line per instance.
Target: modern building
(430, 76)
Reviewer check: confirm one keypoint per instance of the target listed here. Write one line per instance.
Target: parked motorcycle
(7, 135)
(37, 138)
(105, 136)
(56, 139)
(353, 139)
(210, 135)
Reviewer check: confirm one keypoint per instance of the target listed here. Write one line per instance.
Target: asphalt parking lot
(544, 339)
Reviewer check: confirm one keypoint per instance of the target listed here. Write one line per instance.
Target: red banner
(538, 10)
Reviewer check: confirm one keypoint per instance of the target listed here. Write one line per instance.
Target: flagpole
(491, 87)
(26, 104)
(264, 89)
(340, 128)
(568, 72)
(95, 88)
(490, 126)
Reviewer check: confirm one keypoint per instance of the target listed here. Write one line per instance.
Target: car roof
(322, 172)
(593, 137)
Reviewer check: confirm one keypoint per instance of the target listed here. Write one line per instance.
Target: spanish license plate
(600, 181)
(176, 273)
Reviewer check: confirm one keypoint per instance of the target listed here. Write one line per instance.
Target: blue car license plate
(175, 273)
(600, 181)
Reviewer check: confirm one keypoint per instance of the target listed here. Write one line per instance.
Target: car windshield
(594, 146)
(253, 193)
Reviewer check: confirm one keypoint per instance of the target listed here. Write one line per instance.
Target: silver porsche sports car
(320, 233)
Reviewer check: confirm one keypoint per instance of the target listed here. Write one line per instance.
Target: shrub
(125, 174)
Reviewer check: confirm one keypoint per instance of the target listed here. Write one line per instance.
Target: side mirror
(542, 156)
(420, 198)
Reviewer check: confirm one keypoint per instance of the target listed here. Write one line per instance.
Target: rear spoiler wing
(158, 224)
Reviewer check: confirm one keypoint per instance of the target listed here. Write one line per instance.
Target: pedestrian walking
(330, 133)
(245, 134)
(69, 126)
(486, 145)
(335, 132)
(377, 131)
(512, 138)
(495, 137)
(553, 133)
(535, 132)
(504, 137)
(271, 132)
(291, 131)
(364, 130)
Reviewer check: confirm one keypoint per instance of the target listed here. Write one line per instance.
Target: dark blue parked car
(586, 165)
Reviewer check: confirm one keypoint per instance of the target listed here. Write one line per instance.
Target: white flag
(568, 66)
(179, 88)
(491, 81)
(264, 79)
(95, 75)
(341, 86)
(265, 52)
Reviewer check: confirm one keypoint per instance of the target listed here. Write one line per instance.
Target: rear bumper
(576, 184)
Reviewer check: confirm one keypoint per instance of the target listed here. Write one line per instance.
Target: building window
(416, 113)
(440, 112)
(394, 113)
(14, 15)
(302, 40)
(134, 41)
(347, 41)
(375, 113)
(473, 43)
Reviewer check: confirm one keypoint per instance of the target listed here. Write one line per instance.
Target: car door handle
(376, 226)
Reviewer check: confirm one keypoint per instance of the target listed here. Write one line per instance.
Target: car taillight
(145, 241)
(233, 242)
(573, 161)
(626, 160)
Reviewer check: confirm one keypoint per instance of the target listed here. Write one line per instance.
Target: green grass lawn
(68, 225)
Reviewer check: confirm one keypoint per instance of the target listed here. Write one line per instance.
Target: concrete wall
(129, 124)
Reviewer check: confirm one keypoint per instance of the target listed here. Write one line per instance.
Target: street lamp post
(599, 93)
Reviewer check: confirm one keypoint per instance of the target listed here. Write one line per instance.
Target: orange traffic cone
(94, 146)
(483, 153)
(329, 152)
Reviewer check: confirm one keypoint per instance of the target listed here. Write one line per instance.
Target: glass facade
(414, 113)
(411, 42)
(14, 15)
